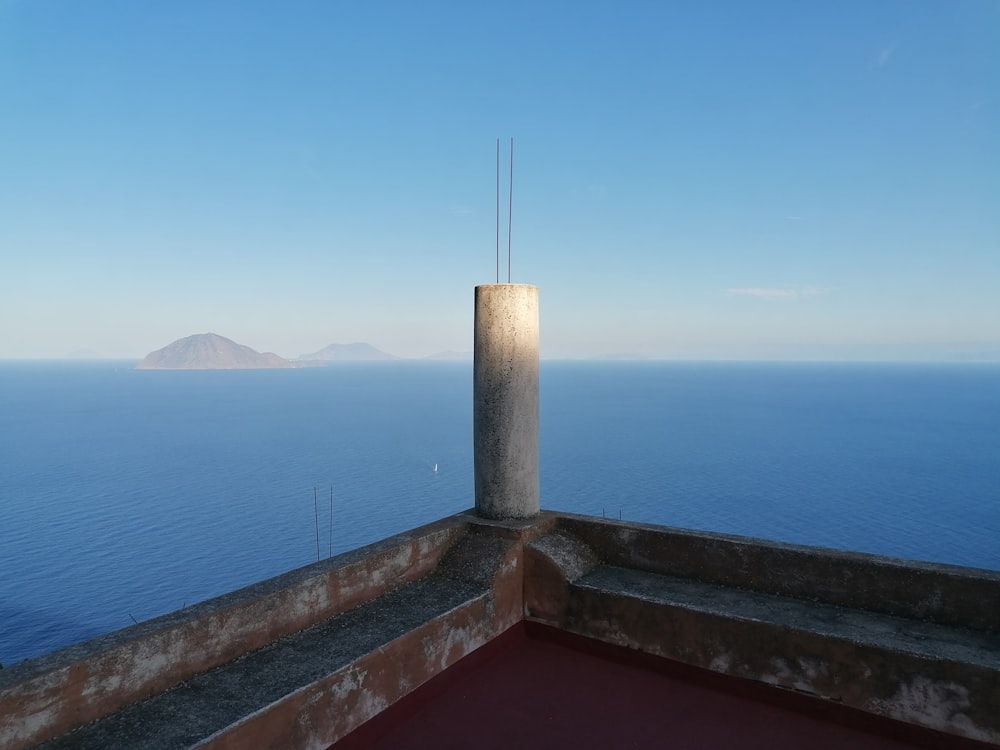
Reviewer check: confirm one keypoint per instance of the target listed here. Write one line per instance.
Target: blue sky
(698, 180)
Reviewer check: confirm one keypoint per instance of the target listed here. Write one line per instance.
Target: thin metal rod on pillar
(510, 206)
(498, 210)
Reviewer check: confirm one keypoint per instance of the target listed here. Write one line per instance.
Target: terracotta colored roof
(537, 687)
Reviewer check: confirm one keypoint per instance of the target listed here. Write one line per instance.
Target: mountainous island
(358, 352)
(209, 351)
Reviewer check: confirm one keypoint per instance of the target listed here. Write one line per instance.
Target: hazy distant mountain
(209, 351)
(358, 352)
(451, 356)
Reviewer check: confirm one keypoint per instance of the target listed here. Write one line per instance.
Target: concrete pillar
(505, 401)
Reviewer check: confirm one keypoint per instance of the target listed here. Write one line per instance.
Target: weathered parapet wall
(946, 594)
(908, 641)
(46, 697)
(328, 709)
(921, 644)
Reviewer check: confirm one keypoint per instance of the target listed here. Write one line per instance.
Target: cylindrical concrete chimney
(505, 401)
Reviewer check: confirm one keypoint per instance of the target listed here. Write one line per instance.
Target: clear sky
(696, 180)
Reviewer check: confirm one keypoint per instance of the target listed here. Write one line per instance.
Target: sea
(126, 494)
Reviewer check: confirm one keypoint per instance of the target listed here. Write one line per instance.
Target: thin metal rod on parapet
(510, 206)
(498, 210)
(316, 512)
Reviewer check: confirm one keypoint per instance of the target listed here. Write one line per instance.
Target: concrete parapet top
(937, 592)
(808, 619)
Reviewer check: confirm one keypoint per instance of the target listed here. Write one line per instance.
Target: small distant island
(357, 352)
(209, 351)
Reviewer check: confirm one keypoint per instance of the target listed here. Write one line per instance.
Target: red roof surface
(536, 687)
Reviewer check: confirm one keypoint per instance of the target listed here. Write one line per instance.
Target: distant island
(357, 352)
(209, 351)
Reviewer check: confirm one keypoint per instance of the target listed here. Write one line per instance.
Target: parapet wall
(45, 697)
(946, 594)
(913, 642)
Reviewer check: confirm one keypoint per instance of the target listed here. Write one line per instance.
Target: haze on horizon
(714, 180)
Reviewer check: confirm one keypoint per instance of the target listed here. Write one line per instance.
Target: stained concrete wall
(505, 401)
(908, 641)
(335, 705)
(946, 594)
(934, 662)
(45, 697)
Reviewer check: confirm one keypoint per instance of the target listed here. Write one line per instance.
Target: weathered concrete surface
(208, 703)
(551, 563)
(941, 677)
(505, 401)
(925, 655)
(46, 697)
(312, 687)
(494, 560)
(946, 594)
(325, 711)
(303, 659)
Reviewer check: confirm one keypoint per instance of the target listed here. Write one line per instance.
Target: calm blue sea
(127, 494)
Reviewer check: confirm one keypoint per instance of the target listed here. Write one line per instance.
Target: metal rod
(498, 210)
(510, 206)
(331, 520)
(316, 511)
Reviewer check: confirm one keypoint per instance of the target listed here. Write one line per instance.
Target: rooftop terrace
(536, 629)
